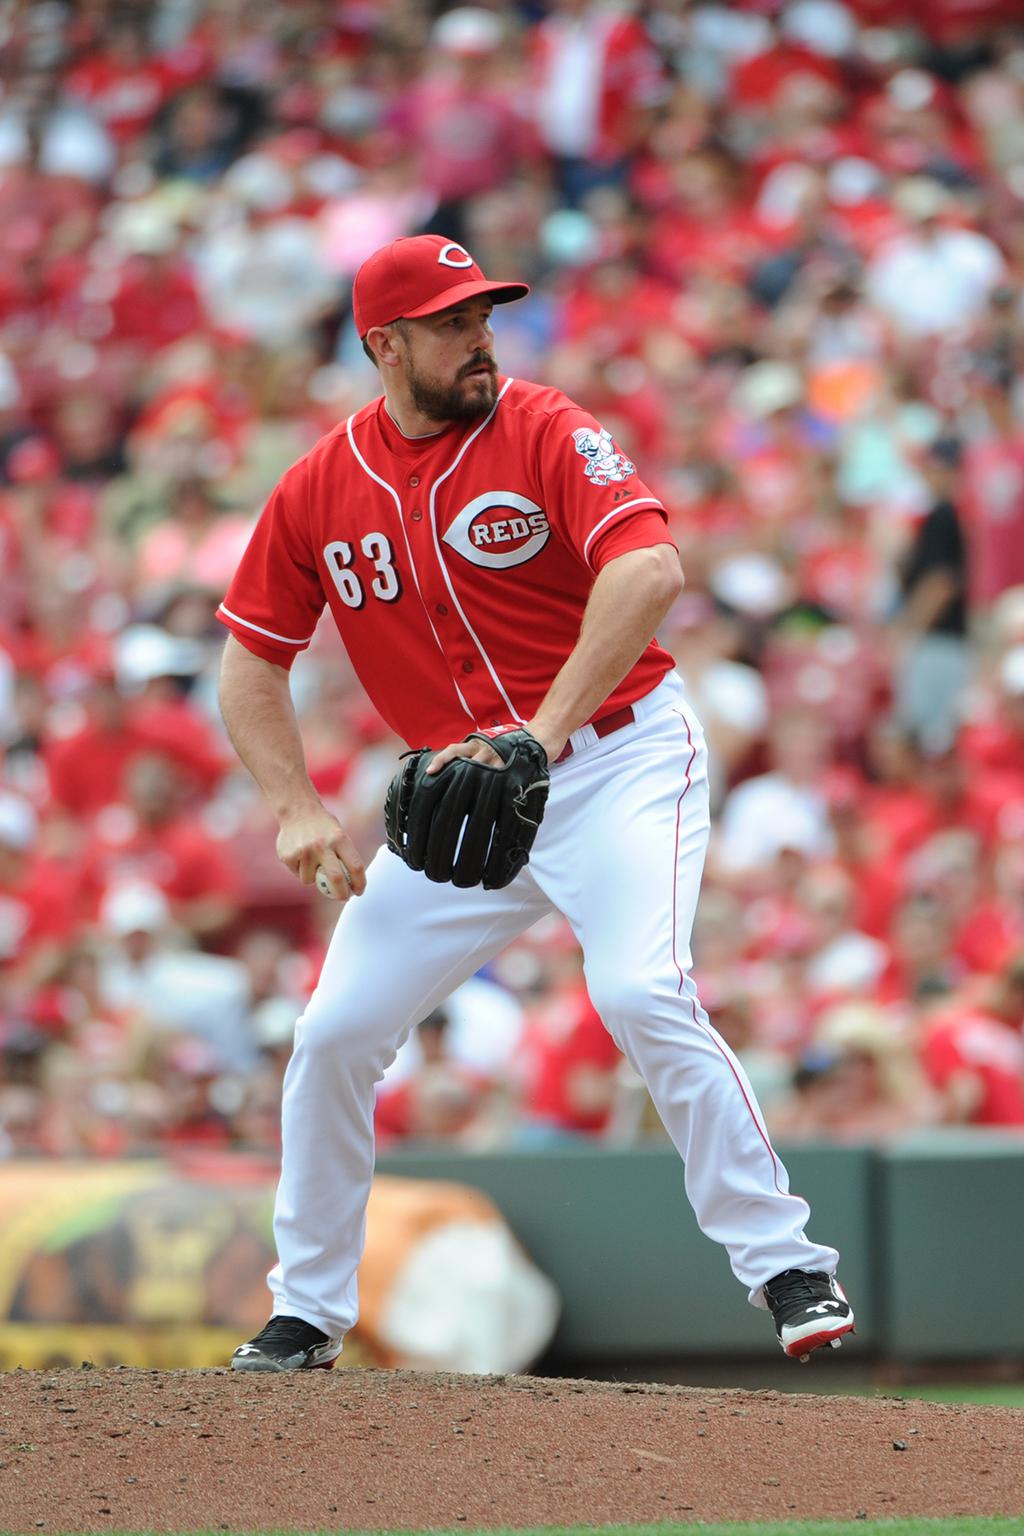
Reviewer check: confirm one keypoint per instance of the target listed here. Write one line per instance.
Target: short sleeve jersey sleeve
(275, 598)
(592, 492)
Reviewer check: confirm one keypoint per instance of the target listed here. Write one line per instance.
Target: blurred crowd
(777, 247)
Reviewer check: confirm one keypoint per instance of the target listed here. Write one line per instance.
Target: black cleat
(287, 1344)
(810, 1310)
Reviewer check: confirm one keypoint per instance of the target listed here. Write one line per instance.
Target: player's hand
(551, 743)
(313, 841)
(478, 749)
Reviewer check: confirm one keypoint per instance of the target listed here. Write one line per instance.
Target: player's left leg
(622, 858)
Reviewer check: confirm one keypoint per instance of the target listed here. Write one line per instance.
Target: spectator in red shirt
(157, 301)
(974, 1054)
(993, 488)
(614, 307)
(997, 744)
(187, 1070)
(758, 81)
(441, 1099)
(928, 786)
(122, 83)
(148, 841)
(36, 907)
(957, 795)
(895, 807)
(993, 930)
(572, 1060)
(921, 966)
(877, 881)
(87, 769)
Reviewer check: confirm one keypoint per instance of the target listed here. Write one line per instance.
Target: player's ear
(384, 341)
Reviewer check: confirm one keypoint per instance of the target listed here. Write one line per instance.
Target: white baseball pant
(620, 853)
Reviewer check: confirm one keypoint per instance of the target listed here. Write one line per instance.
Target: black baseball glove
(470, 823)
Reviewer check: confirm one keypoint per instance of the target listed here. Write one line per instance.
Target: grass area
(1005, 1394)
(967, 1525)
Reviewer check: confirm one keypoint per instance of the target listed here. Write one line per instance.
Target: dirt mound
(124, 1449)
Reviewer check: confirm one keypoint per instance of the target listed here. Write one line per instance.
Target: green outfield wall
(925, 1230)
(157, 1263)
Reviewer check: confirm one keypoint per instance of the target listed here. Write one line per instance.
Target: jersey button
(414, 479)
(442, 610)
(467, 666)
(416, 516)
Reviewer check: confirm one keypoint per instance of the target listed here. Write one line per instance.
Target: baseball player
(495, 568)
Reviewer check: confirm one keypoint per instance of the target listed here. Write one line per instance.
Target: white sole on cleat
(815, 1337)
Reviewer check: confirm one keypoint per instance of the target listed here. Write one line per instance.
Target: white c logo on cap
(452, 255)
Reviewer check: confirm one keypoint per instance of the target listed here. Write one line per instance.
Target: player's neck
(412, 423)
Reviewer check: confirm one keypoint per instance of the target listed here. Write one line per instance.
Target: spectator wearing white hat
(148, 970)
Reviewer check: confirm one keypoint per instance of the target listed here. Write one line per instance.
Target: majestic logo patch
(499, 529)
(604, 464)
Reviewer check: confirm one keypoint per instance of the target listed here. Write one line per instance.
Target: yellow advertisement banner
(39, 1347)
(136, 1245)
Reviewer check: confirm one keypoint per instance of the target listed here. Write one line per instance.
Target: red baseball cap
(420, 275)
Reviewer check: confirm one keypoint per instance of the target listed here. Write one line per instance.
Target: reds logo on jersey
(604, 464)
(499, 529)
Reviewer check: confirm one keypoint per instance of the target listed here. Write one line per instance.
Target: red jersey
(456, 566)
(566, 1035)
(993, 503)
(87, 770)
(178, 857)
(974, 1043)
(125, 98)
(994, 744)
(156, 310)
(35, 908)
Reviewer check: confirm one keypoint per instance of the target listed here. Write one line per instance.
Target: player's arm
(632, 594)
(256, 704)
(629, 599)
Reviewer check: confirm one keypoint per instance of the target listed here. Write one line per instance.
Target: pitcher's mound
(134, 1450)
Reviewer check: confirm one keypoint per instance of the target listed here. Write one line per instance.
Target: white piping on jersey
(411, 437)
(408, 548)
(638, 501)
(440, 557)
(284, 639)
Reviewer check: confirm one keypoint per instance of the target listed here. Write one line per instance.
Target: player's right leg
(398, 951)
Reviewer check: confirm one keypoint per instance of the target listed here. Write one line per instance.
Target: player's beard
(464, 399)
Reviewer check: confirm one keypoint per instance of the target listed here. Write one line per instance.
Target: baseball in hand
(323, 885)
